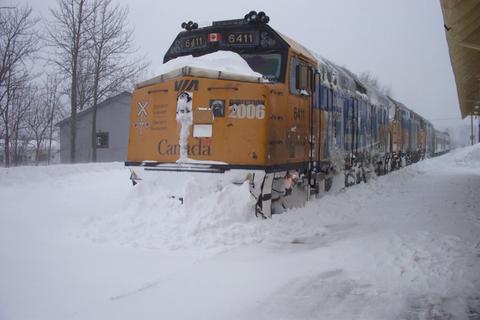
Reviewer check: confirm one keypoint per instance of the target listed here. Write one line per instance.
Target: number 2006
(249, 111)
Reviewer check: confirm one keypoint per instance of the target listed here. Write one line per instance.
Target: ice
(79, 242)
(184, 118)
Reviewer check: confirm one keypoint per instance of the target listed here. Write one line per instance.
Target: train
(303, 127)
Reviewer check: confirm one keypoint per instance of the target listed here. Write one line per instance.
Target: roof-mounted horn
(190, 25)
(258, 18)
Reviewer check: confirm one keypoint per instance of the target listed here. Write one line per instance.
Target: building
(462, 30)
(113, 118)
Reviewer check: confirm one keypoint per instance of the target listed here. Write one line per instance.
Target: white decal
(249, 111)
(142, 109)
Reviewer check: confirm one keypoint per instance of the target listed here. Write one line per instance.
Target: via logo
(186, 85)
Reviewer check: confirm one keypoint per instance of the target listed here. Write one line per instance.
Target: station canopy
(462, 28)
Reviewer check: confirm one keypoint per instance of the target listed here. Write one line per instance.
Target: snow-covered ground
(78, 242)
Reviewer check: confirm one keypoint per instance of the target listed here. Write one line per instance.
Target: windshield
(268, 64)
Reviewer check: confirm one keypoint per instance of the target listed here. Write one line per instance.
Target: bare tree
(36, 121)
(372, 81)
(52, 94)
(110, 51)
(41, 115)
(18, 42)
(85, 82)
(68, 35)
(21, 101)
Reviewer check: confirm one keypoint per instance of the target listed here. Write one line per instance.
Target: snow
(184, 118)
(224, 61)
(79, 242)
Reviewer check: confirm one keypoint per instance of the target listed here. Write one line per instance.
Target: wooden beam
(470, 45)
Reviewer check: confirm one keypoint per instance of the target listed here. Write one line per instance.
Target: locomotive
(303, 127)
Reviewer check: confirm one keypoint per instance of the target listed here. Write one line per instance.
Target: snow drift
(217, 217)
(224, 61)
(403, 246)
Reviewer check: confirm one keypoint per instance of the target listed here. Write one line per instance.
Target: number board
(244, 38)
(193, 42)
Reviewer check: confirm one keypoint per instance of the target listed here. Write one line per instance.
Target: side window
(324, 98)
(293, 75)
(300, 76)
(334, 114)
(317, 102)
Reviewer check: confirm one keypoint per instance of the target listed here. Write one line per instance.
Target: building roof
(462, 29)
(102, 104)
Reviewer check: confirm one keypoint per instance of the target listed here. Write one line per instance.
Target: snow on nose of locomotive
(184, 118)
(184, 106)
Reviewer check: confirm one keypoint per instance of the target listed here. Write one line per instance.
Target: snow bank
(151, 218)
(468, 157)
(403, 246)
(33, 174)
(224, 217)
(225, 61)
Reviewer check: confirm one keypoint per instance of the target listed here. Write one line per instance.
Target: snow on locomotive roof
(220, 65)
(339, 78)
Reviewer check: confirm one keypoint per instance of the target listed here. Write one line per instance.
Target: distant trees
(18, 140)
(110, 48)
(372, 81)
(89, 51)
(18, 43)
(52, 103)
(67, 36)
(41, 116)
(92, 46)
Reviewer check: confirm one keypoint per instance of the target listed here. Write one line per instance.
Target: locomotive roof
(298, 48)
(337, 77)
(254, 37)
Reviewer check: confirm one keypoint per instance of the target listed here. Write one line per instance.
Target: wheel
(349, 179)
(328, 184)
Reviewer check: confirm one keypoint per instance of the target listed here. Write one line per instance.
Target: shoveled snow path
(404, 246)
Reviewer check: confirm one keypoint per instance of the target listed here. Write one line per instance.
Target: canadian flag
(214, 37)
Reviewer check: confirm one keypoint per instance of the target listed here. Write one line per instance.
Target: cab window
(268, 64)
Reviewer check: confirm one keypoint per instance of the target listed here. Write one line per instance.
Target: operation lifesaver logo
(142, 116)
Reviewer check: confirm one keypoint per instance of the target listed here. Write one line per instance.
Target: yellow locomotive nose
(191, 118)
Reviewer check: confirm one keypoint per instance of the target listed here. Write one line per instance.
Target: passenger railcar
(441, 143)
(303, 127)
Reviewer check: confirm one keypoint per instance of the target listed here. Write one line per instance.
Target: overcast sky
(401, 42)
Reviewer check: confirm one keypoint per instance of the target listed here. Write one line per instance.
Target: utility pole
(476, 112)
(472, 137)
